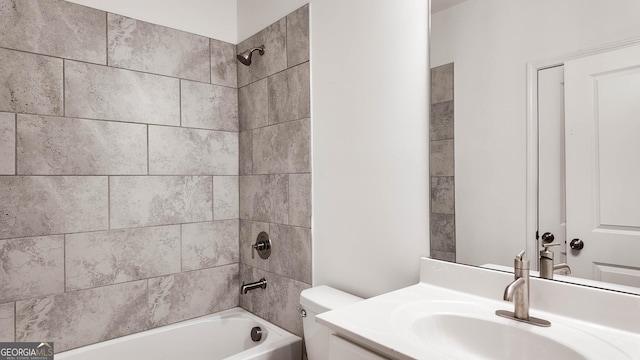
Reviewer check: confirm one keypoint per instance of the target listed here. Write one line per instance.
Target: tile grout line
(106, 38)
(148, 153)
(64, 90)
(288, 199)
(109, 203)
(132, 123)
(64, 263)
(114, 67)
(213, 200)
(15, 144)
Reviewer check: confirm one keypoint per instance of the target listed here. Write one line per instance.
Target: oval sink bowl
(465, 336)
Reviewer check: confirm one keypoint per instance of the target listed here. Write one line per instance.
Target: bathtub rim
(285, 338)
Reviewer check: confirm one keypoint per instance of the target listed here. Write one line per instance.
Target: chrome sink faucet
(518, 292)
(546, 263)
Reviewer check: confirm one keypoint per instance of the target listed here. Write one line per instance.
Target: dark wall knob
(548, 237)
(576, 244)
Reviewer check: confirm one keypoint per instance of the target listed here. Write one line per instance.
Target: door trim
(532, 132)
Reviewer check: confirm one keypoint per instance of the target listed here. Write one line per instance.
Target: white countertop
(384, 323)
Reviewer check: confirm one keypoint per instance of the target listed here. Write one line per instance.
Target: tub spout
(262, 283)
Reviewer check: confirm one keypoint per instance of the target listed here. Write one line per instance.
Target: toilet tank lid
(324, 298)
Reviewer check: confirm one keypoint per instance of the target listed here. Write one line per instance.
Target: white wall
(369, 126)
(216, 19)
(490, 42)
(369, 136)
(370, 143)
(255, 15)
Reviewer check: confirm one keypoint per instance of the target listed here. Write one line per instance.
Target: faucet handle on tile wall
(262, 246)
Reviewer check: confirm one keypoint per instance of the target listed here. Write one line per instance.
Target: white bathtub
(224, 335)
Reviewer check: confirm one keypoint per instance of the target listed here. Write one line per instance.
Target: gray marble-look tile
(209, 106)
(442, 121)
(139, 45)
(443, 255)
(442, 194)
(442, 83)
(224, 69)
(246, 275)
(7, 322)
(64, 146)
(30, 83)
(300, 200)
(56, 28)
(249, 231)
(289, 94)
(226, 201)
(100, 92)
(209, 244)
(110, 257)
(43, 205)
(253, 105)
(441, 160)
(78, 318)
(284, 299)
(282, 148)
(273, 37)
(245, 139)
(191, 294)
(179, 151)
(298, 36)
(31, 267)
(7, 144)
(264, 198)
(291, 252)
(255, 301)
(160, 200)
(443, 232)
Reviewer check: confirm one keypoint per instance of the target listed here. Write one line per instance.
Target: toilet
(315, 301)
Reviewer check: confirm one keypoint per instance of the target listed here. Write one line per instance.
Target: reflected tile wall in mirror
(441, 160)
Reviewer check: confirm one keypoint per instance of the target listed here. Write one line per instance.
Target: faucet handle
(262, 246)
(520, 263)
(547, 246)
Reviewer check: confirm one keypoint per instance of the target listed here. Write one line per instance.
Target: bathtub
(224, 335)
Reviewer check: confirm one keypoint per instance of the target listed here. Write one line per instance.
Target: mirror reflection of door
(602, 97)
(601, 179)
(551, 176)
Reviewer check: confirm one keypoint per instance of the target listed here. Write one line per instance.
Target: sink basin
(459, 330)
(468, 337)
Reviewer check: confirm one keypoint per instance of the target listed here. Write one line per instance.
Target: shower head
(245, 56)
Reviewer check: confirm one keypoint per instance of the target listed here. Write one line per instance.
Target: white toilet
(315, 301)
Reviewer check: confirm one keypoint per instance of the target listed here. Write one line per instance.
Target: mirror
(489, 62)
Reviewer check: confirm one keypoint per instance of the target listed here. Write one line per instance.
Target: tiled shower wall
(119, 206)
(275, 168)
(443, 225)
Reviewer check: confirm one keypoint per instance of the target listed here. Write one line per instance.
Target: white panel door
(602, 119)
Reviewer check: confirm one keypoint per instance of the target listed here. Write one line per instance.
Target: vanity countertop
(605, 324)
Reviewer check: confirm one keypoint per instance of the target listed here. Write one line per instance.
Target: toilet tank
(315, 301)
